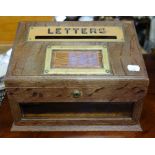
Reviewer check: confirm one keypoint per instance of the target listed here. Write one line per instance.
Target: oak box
(76, 76)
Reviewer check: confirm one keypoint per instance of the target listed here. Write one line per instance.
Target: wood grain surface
(97, 91)
(8, 26)
(147, 120)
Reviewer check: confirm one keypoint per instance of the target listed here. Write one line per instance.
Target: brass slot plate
(105, 69)
(62, 33)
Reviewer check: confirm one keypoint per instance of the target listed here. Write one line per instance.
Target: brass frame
(64, 71)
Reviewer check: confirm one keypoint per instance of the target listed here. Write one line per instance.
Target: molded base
(136, 127)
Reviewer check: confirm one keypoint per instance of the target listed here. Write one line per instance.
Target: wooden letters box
(76, 76)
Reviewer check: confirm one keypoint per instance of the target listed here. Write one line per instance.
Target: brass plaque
(96, 33)
(76, 60)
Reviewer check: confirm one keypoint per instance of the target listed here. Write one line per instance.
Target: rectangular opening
(76, 110)
(75, 37)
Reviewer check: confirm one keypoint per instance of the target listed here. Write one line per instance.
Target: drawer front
(123, 93)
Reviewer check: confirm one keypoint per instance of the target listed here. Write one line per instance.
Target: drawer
(124, 93)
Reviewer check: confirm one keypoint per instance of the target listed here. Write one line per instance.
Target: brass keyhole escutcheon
(76, 93)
